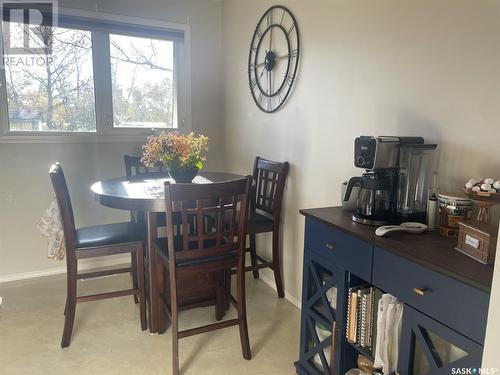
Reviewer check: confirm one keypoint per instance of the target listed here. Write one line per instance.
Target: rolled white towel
(476, 189)
(485, 187)
(496, 185)
(469, 185)
(492, 191)
(472, 181)
(489, 181)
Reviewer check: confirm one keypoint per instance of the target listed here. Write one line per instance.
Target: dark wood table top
(146, 192)
(429, 249)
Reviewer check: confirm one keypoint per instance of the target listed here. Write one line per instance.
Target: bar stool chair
(92, 242)
(210, 239)
(269, 179)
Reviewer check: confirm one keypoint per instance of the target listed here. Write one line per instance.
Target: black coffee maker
(377, 199)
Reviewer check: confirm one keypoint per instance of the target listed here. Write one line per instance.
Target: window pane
(142, 71)
(54, 92)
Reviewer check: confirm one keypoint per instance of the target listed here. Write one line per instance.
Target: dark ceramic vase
(183, 175)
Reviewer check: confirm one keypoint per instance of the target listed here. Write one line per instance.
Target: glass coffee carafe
(375, 204)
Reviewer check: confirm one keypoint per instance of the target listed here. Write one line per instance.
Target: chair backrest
(133, 166)
(65, 208)
(212, 218)
(269, 179)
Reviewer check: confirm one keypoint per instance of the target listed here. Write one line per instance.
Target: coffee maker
(394, 187)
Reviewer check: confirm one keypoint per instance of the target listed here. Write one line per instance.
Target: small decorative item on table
(485, 194)
(478, 240)
(183, 155)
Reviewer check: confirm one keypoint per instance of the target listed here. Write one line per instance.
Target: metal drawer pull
(419, 291)
(330, 245)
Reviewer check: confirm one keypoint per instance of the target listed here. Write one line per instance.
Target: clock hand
(261, 74)
(281, 57)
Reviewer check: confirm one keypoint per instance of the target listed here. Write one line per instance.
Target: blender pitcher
(416, 168)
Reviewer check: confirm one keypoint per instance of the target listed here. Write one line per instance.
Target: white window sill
(74, 138)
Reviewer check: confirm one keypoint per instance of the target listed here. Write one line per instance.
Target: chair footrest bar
(231, 298)
(91, 275)
(96, 297)
(257, 267)
(262, 260)
(208, 328)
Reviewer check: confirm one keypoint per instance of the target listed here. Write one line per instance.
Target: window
(142, 76)
(52, 94)
(104, 77)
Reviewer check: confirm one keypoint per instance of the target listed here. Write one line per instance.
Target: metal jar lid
(457, 198)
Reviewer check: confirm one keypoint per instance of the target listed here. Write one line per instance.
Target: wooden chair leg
(227, 284)
(253, 256)
(242, 313)
(219, 296)
(160, 287)
(174, 323)
(277, 263)
(139, 257)
(66, 306)
(70, 306)
(134, 274)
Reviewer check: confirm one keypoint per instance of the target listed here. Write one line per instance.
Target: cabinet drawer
(451, 302)
(343, 250)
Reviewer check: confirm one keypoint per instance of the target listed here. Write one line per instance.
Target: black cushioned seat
(256, 223)
(259, 223)
(259, 219)
(161, 243)
(108, 234)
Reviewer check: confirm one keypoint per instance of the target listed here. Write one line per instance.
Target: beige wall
(388, 67)
(25, 189)
(492, 343)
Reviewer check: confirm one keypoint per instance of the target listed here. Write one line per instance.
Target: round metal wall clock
(274, 58)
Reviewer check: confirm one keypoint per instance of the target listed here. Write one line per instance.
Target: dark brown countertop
(430, 249)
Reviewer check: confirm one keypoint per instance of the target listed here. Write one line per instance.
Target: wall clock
(274, 58)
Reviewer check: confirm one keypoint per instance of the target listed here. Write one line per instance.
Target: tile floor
(107, 338)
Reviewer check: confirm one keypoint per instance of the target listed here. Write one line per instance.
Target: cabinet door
(431, 348)
(321, 319)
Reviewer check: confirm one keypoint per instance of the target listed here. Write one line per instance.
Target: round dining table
(144, 194)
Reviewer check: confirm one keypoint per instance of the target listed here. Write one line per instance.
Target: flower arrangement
(177, 152)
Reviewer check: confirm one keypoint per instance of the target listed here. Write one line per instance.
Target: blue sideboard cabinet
(445, 296)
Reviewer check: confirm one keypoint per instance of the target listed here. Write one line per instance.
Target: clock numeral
(270, 103)
(251, 67)
(280, 97)
(259, 33)
(253, 83)
(269, 18)
(261, 96)
(282, 17)
(289, 79)
(294, 53)
(290, 30)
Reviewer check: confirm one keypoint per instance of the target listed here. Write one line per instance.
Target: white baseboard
(272, 284)
(83, 265)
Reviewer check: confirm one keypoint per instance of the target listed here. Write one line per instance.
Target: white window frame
(105, 130)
